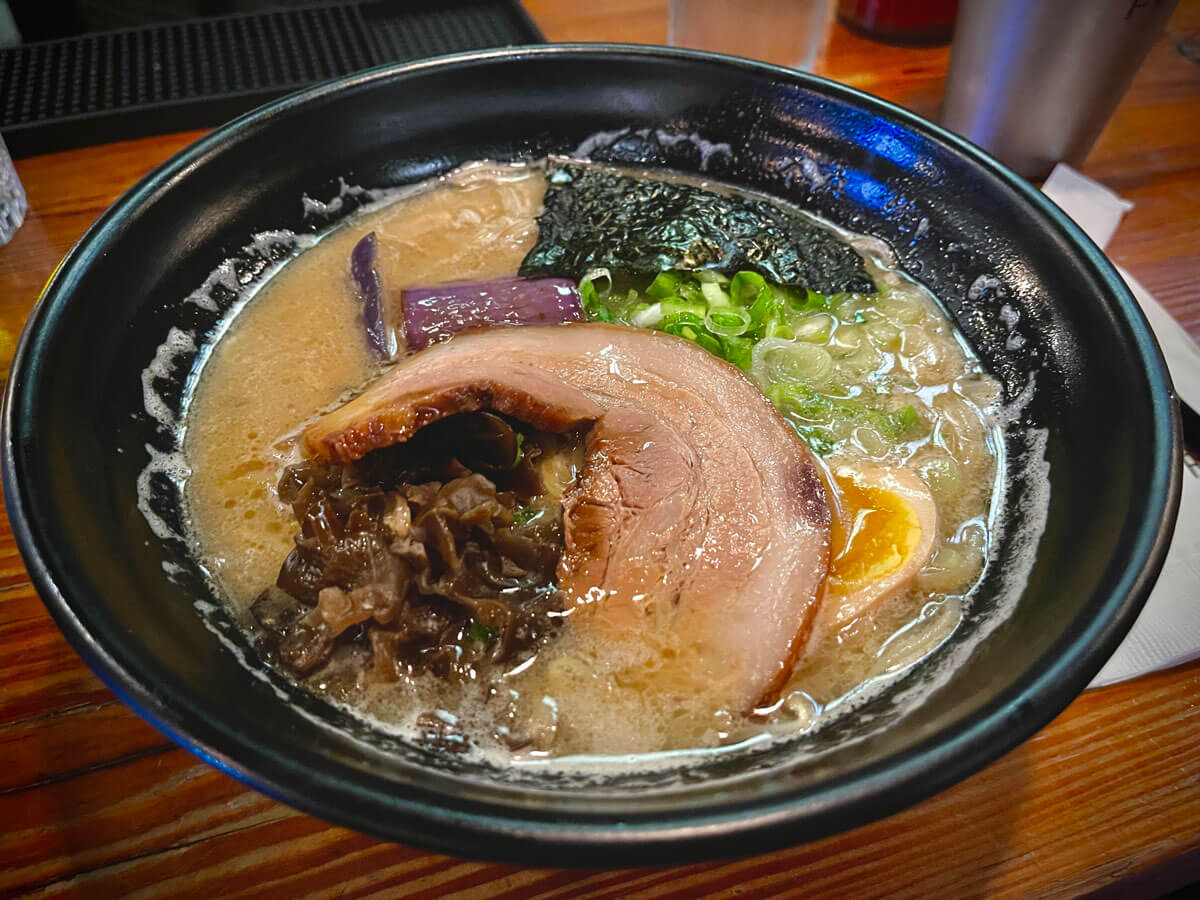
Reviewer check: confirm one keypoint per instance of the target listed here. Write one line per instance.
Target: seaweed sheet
(596, 218)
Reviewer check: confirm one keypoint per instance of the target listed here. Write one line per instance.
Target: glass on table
(12, 197)
(785, 32)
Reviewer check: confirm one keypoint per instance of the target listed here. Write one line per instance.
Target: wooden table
(95, 803)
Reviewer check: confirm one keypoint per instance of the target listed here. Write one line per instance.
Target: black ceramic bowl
(1041, 305)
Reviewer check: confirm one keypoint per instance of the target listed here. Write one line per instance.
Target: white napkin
(1095, 208)
(1167, 633)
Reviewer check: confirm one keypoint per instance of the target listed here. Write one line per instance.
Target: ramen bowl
(1092, 453)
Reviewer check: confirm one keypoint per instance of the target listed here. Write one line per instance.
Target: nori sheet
(596, 218)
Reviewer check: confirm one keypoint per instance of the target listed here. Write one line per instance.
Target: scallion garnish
(480, 632)
(780, 336)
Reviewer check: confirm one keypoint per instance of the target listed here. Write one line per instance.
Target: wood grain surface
(95, 803)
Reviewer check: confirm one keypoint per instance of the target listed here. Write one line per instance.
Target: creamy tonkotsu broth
(297, 347)
(878, 385)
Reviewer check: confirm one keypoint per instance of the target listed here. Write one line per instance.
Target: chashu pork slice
(697, 532)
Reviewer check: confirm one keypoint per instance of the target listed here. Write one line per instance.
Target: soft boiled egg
(882, 533)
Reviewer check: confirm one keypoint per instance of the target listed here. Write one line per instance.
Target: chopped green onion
(788, 298)
(690, 290)
(907, 422)
(665, 284)
(817, 440)
(646, 315)
(690, 326)
(737, 350)
(602, 275)
(526, 514)
(793, 342)
(480, 632)
(593, 305)
(767, 310)
(861, 361)
(813, 300)
(816, 328)
(802, 401)
(710, 276)
(714, 295)
(709, 342)
(727, 321)
(587, 291)
(675, 307)
(677, 321)
(520, 451)
(749, 289)
(776, 359)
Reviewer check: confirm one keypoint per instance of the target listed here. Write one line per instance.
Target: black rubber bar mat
(116, 85)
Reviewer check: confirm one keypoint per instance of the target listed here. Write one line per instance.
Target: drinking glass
(785, 32)
(12, 197)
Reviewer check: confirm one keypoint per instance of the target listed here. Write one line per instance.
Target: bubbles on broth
(233, 443)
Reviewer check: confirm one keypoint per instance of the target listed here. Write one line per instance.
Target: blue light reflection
(865, 189)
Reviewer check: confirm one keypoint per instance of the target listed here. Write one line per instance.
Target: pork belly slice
(697, 533)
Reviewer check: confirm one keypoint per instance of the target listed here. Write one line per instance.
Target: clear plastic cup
(785, 32)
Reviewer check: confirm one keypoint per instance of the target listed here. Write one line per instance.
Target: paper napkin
(1167, 633)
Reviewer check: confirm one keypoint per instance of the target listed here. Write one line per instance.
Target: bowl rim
(496, 831)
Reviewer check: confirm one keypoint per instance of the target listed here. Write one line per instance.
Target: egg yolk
(874, 534)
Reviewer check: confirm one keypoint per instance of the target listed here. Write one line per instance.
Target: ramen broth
(296, 350)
